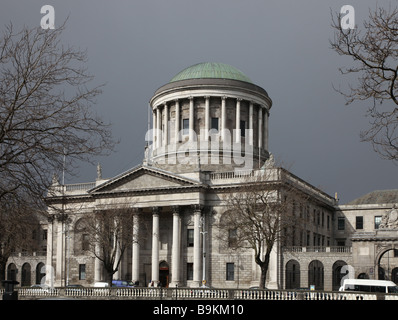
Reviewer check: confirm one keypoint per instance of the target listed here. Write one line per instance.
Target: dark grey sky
(283, 46)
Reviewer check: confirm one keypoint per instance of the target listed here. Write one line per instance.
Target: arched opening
(12, 272)
(338, 273)
(316, 274)
(26, 275)
(292, 274)
(394, 275)
(40, 272)
(387, 262)
(164, 274)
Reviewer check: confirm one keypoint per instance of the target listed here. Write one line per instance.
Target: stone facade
(179, 191)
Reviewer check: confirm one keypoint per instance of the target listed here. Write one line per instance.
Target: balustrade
(195, 294)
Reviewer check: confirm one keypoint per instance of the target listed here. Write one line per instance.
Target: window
(232, 238)
(185, 126)
(340, 243)
(377, 221)
(340, 223)
(359, 222)
(82, 272)
(230, 271)
(242, 128)
(214, 124)
(190, 271)
(85, 241)
(190, 238)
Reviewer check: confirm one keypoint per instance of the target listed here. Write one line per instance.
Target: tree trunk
(264, 268)
(109, 277)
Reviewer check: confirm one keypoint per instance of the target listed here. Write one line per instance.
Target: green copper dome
(211, 70)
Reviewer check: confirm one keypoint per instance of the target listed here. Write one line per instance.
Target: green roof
(211, 70)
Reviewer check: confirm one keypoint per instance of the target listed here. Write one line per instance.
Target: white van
(101, 285)
(366, 285)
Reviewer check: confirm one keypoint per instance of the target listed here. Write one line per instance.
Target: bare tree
(109, 233)
(260, 213)
(374, 50)
(46, 110)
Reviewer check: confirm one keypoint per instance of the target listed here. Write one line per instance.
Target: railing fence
(194, 294)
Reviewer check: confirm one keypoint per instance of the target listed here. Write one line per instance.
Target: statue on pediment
(390, 219)
(99, 171)
(269, 163)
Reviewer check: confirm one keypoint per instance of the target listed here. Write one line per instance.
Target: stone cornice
(213, 88)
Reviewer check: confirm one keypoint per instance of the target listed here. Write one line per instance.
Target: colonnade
(176, 248)
(160, 121)
(62, 245)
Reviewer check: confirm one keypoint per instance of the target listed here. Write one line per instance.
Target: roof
(378, 196)
(211, 70)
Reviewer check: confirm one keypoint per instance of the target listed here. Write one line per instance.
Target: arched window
(338, 274)
(26, 275)
(40, 272)
(292, 274)
(12, 272)
(316, 274)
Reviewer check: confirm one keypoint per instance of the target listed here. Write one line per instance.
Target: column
(177, 122)
(196, 246)
(135, 266)
(154, 126)
(191, 119)
(176, 254)
(97, 262)
(260, 127)
(207, 117)
(97, 265)
(60, 254)
(166, 124)
(49, 265)
(266, 114)
(158, 128)
(155, 245)
(251, 123)
(223, 118)
(237, 131)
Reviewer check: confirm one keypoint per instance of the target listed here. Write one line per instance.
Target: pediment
(144, 178)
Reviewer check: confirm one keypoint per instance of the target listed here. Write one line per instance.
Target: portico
(168, 247)
(162, 218)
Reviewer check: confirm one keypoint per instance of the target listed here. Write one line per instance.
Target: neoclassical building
(209, 136)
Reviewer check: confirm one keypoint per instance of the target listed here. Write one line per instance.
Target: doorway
(164, 274)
